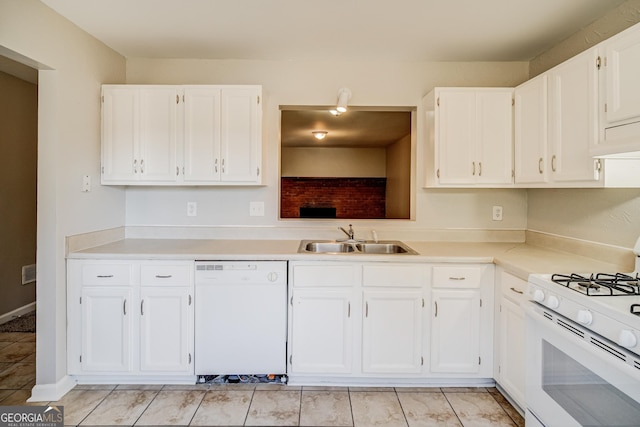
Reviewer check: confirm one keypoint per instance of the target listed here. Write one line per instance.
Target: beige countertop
(519, 259)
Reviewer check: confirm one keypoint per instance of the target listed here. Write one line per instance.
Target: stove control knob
(585, 317)
(553, 302)
(538, 295)
(627, 339)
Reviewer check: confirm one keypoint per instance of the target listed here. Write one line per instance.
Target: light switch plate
(86, 183)
(256, 208)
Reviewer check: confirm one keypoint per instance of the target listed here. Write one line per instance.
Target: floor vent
(28, 274)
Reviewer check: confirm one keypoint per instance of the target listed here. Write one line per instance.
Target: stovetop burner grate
(600, 284)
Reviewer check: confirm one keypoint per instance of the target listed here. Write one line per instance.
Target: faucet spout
(350, 234)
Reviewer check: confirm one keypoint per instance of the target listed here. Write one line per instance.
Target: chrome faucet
(349, 233)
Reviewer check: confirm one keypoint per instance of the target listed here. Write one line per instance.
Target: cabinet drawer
(512, 287)
(325, 274)
(166, 274)
(106, 274)
(405, 275)
(457, 276)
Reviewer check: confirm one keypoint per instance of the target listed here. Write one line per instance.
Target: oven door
(572, 380)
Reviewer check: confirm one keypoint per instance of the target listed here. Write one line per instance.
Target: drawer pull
(142, 308)
(165, 276)
(436, 313)
(104, 276)
(457, 278)
(517, 291)
(124, 307)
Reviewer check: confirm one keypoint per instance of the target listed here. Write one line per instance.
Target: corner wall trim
(52, 392)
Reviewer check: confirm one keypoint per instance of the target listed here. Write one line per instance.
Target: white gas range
(583, 349)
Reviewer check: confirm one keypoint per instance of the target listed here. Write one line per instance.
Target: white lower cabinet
(129, 320)
(106, 335)
(392, 331)
(455, 331)
(363, 321)
(510, 339)
(462, 320)
(322, 331)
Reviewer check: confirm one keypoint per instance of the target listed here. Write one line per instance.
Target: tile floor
(253, 404)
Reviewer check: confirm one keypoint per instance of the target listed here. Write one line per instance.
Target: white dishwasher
(240, 317)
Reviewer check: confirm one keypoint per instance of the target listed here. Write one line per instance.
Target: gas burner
(600, 284)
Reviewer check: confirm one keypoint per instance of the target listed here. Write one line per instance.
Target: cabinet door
(455, 331)
(202, 134)
(456, 136)
(572, 118)
(106, 329)
(166, 319)
(512, 350)
(158, 134)
(392, 331)
(622, 70)
(119, 134)
(240, 134)
(321, 331)
(531, 131)
(494, 158)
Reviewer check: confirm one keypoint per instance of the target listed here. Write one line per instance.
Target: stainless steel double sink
(390, 247)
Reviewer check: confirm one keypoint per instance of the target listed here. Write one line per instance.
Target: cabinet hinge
(513, 102)
(598, 62)
(605, 107)
(177, 99)
(513, 173)
(258, 171)
(438, 173)
(499, 368)
(291, 300)
(102, 169)
(183, 98)
(258, 99)
(438, 101)
(102, 98)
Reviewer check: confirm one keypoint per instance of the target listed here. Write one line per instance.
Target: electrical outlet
(86, 183)
(497, 213)
(192, 209)
(256, 209)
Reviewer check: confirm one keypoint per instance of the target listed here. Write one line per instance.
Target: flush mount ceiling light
(319, 134)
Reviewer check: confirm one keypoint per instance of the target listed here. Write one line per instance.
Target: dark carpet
(24, 323)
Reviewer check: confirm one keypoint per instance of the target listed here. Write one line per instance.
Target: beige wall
(334, 162)
(610, 216)
(18, 165)
(399, 179)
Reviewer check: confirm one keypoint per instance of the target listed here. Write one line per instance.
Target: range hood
(619, 142)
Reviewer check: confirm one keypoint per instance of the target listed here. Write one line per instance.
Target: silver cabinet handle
(473, 168)
(142, 308)
(553, 163)
(189, 358)
(215, 165)
(104, 276)
(436, 303)
(540, 165)
(349, 309)
(141, 166)
(164, 276)
(189, 299)
(458, 278)
(124, 307)
(479, 168)
(517, 291)
(135, 166)
(366, 314)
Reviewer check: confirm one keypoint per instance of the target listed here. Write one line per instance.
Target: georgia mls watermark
(31, 416)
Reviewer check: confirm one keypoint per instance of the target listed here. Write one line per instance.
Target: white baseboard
(4, 318)
(52, 392)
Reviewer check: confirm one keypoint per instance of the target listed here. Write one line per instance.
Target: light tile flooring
(253, 404)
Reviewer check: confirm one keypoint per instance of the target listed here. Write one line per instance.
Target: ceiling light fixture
(319, 134)
(344, 95)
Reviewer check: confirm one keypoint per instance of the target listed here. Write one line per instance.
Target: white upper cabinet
(573, 119)
(531, 131)
(470, 137)
(181, 135)
(620, 95)
(139, 134)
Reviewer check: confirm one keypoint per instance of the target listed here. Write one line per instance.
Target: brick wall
(352, 197)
